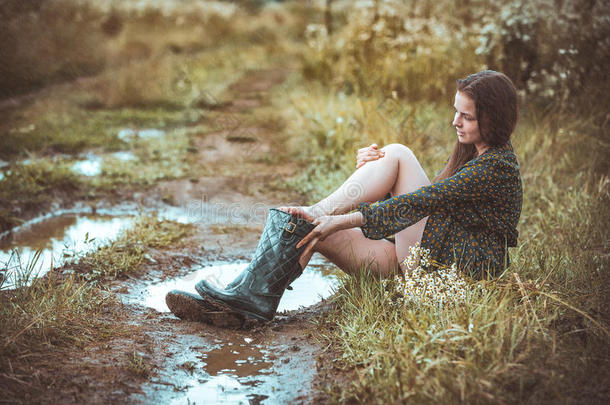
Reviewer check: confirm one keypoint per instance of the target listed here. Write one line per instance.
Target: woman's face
(465, 122)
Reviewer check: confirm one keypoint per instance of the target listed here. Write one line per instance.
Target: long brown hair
(495, 100)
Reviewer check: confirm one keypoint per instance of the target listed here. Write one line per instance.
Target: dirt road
(153, 357)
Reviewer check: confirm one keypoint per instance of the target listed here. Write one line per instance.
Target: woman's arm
(480, 181)
(329, 224)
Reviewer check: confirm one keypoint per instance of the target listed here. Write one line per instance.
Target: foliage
(391, 47)
(554, 50)
(32, 57)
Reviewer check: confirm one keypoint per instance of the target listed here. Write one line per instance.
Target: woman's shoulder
(498, 156)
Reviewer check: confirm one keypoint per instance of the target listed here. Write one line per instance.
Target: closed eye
(466, 116)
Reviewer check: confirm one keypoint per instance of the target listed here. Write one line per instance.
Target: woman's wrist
(351, 220)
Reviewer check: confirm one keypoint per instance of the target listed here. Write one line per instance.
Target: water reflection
(3, 165)
(127, 134)
(59, 238)
(316, 282)
(124, 156)
(231, 372)
(91, 166)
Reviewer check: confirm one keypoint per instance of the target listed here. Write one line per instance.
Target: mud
(158, 358)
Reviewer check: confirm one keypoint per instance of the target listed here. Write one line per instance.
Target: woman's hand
(301, 212)
(368, 154)
(327, 225)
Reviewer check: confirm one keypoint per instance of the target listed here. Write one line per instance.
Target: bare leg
(398, 172)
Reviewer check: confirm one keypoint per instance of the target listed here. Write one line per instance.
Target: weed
(137, 365)
(124, 255)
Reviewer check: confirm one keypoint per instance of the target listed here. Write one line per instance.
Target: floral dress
(473, 214)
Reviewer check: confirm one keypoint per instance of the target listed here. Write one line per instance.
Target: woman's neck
(481, 148)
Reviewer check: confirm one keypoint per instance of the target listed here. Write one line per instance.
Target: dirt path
(160, 359)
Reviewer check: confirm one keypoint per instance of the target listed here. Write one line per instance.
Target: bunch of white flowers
(445, 286)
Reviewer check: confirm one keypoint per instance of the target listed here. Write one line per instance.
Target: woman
(468, 216)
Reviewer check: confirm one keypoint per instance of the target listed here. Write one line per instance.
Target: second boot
(257, 291)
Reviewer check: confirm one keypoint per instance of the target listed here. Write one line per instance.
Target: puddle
(124, 156)
(59, 238)
(317, 282)
(126, 134)
(231, 373)
(234, 371)
(238, 367)
(91, 166)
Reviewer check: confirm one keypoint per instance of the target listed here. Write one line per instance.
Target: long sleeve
(479, 181)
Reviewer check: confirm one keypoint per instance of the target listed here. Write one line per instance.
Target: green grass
(329, 127)
(124, 255)
(71, 130)
(138, 365)
(43, 316)
(496, 347)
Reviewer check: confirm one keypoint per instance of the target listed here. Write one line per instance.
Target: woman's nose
(456, 120)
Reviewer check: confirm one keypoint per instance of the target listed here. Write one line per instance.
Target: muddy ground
(157, 358)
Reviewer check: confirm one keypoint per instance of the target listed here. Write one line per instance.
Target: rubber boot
(192, 307)
(257, 291)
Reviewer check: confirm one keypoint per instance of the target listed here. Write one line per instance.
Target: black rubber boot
(257, 291)
(192, 307)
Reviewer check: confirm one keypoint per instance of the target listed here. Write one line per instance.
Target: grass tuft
(125, 254)
(42, 316)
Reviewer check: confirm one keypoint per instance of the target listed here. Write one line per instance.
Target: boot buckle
(290, 227)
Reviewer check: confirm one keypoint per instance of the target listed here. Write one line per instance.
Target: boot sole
(191, 308)
(223, 305)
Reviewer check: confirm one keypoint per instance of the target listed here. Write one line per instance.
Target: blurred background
(107, 101)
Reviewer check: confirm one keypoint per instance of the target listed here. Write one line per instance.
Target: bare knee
(398, 151)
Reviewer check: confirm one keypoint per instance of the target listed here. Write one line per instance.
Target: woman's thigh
(351, 251)
(410, 177)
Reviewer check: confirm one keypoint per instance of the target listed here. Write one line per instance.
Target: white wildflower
(445, 286)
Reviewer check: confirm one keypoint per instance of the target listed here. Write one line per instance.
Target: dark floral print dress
(473, 215)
